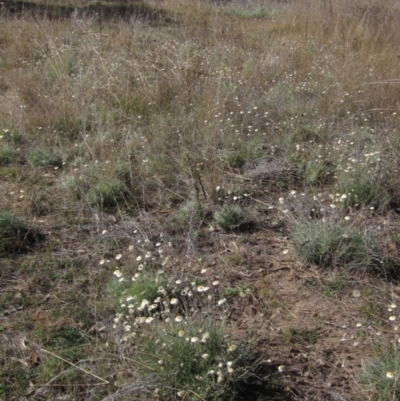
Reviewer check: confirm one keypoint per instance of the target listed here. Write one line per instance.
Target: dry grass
(118, 134)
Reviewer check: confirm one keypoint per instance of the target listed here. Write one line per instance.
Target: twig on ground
(74, 365)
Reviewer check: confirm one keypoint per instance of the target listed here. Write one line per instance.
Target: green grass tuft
(13, 232)
(381, 376)
(330, 244)
(197, 361)
(230, 217)
(362, 188)
(107, 195)
(43, 158)
(7, 155)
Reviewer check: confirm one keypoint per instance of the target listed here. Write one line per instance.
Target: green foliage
(107, 194)
(381, 376)
(74, 186)
(333, 286)
(187, 214)
(230, 217)
(316, 172)
(235, 258)
(330, 244)
(362, 189)
(125, 174)
(7, 155)
(69, 125)
(241, 152)
(232, 292)
(13, 231)
(258, 13)
(196, 361)
(235, 292)
(43, 158)
(294, 335)
(8, 173)
(148, 288)
(14, 378)
(10, 136)
(65, 342)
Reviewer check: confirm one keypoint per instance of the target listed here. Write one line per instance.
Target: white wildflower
(117, 273)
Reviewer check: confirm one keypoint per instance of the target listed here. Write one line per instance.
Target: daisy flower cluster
(149, 293)
(177, 322)
(195, 355)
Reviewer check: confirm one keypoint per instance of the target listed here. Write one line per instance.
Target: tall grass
(113, 127)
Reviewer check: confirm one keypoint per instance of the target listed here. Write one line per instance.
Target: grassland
(200, 200)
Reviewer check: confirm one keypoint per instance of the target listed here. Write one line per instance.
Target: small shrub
(8, 173)
(10, 136)
(125, 174)
(142, 295)
(74, 187)
(13, 232)
(236, 158)
(43, 158)
(362, 189)
(329, 244)
(107, 194)
(381, 376)
(43, 201)
(316, 172)
(65, 340)
(197, 361)
(14, 379)
(240, 153)
(188, 213)
(187, 210)
(7, 156)
(230, 217)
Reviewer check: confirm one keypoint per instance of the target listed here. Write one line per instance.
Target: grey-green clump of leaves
(332, 244)
(195, 361)
(381, 376)
(362, 189)
(7, 155)
(43, 158)
(107, 194)
(240, 153)
(230, 217)
(11, 136)
(144, 295)
(317, 172)
(14, 233)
